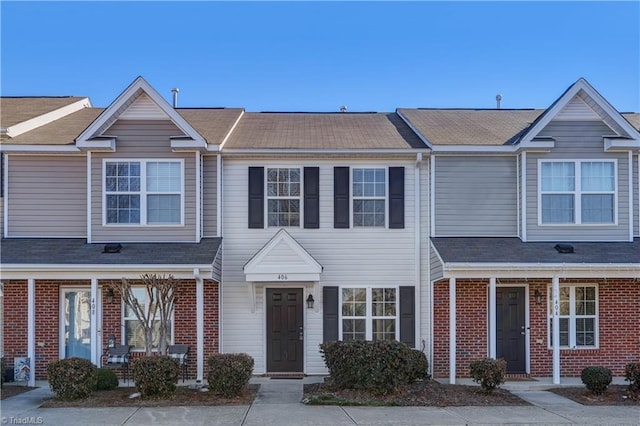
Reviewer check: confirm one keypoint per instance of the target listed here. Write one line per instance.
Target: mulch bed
(614, 395)
(184, 397)
(13, 390)
(427, 393)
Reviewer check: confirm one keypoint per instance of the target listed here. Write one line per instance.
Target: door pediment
(282, 259)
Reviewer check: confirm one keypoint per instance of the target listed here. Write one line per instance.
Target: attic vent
(112, 248)
(564, 248)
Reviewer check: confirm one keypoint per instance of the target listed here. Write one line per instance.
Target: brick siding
(618, 317)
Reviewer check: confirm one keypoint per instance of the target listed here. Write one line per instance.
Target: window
(143, 192)
(577, 192)
(133, 331)
(369, 197)
(369, 313)
(283, 197)
(578, 316)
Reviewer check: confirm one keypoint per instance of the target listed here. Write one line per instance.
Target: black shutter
(329, 314)
(312, 197)
(256, 197)
(396, 197)
(407, 316)
(341, 197)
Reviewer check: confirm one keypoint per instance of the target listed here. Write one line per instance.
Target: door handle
(301, 335)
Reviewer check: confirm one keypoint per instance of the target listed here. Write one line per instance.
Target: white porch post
(95, 355)
(452, 331)
(199, 325)
(492, 317)
(31, 329)
(556, 330)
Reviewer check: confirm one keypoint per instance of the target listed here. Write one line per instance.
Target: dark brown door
(284, 330)
(511, 333)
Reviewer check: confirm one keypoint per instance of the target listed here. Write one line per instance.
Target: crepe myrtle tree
(162, 293)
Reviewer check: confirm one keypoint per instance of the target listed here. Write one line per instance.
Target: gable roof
(87, 139)
(483, 127)
(322, 131)
(282, 256)
(22, 114)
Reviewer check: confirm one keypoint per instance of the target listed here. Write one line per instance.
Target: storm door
(75, 323)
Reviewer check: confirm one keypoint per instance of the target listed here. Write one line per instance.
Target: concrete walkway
(278, 403)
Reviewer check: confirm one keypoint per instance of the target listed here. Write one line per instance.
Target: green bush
(488, 372)
(107, 379)
(632, 375)
(155, 376)
(377, 367)
(597, 379)
(72, 378)
(229, 374)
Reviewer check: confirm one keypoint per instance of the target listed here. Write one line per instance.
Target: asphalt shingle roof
(14, 110)
(65, 251)
(470, 126)
(59, 132)
(323, 131)
(212, 123)
(513, 250)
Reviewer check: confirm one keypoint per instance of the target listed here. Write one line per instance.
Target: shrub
(597, 379)
(489, 373)
(229, 374)
(155, 376)
(107, 379)
(378, 367)
(632, 375)
(72, 378)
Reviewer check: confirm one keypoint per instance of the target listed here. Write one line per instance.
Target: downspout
(418, 255)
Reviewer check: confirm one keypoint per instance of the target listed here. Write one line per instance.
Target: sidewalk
(278, 403)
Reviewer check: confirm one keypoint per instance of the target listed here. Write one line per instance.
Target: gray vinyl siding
(209, 196)
(578, 140)
(141, 140)
(436, 265)
(47, 196)
(476, 196)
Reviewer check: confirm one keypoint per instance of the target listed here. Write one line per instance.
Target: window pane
(163, 209)
(585, 331)
(598, 176)
(163, 177)
(123, 208)
(597, 208)
(557, 208)
(353, 329)
(557, 176)
(384, 329)
(134, 334)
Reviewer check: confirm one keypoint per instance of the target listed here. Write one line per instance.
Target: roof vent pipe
(175, 91)
(498, 99)
(343, 108)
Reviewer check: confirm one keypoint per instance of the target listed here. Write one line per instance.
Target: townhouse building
(463, 233)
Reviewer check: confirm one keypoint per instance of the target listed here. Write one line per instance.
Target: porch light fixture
(538, 296)
(310, 301)
(112, 341)
(110, 295)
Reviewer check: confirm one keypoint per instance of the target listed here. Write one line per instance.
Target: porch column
(492, 317)
(95, 353)
(556, 330)
(452, 331)
(31, 330)
(199, 325)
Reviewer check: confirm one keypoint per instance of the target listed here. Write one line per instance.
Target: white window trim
(386, 196)
(577, 192)
(267, 197)
(572, 318)
(124, 319)
(143, 192)
(369, 316)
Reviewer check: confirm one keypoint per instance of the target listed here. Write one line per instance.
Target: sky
(318, 56)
